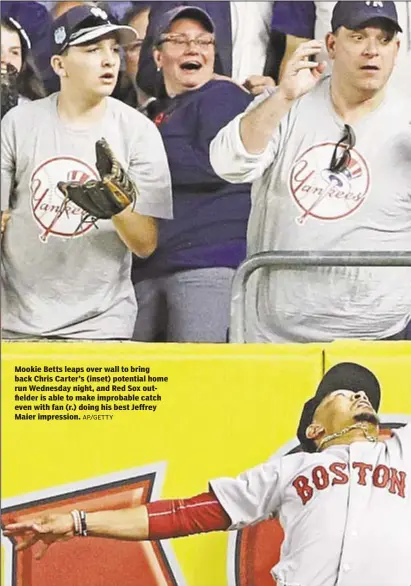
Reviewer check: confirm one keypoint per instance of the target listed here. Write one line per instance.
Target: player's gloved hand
(108, 197)
(9, 92)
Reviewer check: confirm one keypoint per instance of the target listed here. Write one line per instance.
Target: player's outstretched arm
(157, 520)
(124, 524)
(300, 76)
(46, 530)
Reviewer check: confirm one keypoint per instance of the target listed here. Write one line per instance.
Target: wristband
(83, 524)
(77, 521)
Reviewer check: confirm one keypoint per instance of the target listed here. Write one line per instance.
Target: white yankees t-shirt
(63, 276)
(299, 205)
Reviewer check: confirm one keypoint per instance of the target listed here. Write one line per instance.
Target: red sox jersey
(346, 512)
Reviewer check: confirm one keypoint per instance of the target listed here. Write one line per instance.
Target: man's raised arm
(239, 151)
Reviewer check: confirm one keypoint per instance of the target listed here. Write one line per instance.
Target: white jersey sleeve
(228, 156)
(252, 496)
(403, 436)
(150, 172)
(7, 160)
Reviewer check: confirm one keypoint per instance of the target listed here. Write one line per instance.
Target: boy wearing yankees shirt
(335, 500)
(63, 275)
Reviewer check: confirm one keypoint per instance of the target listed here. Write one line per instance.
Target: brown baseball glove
(108, 197)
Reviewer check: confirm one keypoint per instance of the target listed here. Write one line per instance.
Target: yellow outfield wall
(221, 410)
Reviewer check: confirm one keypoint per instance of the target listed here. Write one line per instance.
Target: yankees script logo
(325, 195)
(322, 478)
(47, 207)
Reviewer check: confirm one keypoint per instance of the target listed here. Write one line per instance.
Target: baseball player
(330, 162)
(85, 177)
(344, 502)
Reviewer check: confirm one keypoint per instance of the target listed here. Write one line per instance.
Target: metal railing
(290, 260)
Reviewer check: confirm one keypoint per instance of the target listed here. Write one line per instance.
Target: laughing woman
(183, 289)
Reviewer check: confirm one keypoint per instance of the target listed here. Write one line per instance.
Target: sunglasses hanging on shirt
(341, 160)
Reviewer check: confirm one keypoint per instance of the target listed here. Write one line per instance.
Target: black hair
(135, 10)
(29, 82)
(368, 417)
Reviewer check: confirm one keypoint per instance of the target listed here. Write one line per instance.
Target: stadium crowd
(245, 127)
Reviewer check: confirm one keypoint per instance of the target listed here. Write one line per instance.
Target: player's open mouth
(370, 68)
(107, 76)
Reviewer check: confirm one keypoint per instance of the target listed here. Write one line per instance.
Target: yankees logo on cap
(83, 24)
(60, 35)
(354, 15)
(99, 12)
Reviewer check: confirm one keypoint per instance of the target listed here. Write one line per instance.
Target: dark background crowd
(183, 289)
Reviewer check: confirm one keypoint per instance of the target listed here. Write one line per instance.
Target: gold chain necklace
(362, 426)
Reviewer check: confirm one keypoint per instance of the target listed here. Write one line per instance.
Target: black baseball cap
(167, 18)
(24, 37)
(32, 17)
(354, 15)
(86, 23)
(345, 375)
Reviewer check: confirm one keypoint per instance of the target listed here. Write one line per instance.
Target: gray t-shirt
(298, 205)
(62, 277)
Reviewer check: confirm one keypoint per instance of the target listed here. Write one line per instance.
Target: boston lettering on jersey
(380, 476)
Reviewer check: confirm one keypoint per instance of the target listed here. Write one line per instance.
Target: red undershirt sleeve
(176, 518)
